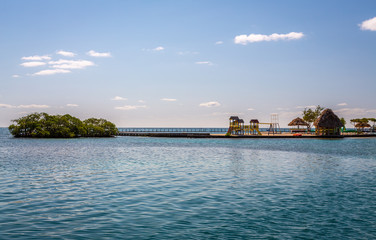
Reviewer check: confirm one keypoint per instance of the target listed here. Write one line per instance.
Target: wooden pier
(209, 135)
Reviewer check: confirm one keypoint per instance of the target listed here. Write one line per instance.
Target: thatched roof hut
(254, 121)
(362, 125)
(298, 122)
(328, 119)
(328, 123)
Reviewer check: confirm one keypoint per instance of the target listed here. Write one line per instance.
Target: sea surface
(175, 188)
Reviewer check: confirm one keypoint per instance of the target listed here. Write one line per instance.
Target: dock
(209, 135)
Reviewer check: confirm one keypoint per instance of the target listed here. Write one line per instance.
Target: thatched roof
(254, 121)
(241, 121)
(298, 122)
(234, 118)
(328, 119)
(362, 125)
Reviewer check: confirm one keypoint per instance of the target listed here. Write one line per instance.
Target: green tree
(343, 121)
(99, 127)
(310, 115)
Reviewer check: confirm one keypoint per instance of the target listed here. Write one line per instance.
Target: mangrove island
(43, 125)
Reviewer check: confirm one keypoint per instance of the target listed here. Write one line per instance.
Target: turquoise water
(163, 188)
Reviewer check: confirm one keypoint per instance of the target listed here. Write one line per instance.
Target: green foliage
(359, 120)
(343, 121)
(42, 125)
(372, 120)
(310, 115)
(99, 127)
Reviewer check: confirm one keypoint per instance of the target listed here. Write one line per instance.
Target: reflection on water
(157, 188)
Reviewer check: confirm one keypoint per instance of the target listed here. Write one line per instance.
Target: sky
(187, 63)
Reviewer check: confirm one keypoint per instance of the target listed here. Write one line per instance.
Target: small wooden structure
(328, 124)
(298, 122)
(361, 126)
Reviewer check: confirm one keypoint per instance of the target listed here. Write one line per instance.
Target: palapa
(328, 124)
(362, 125)
(328, 119)
(298, 122)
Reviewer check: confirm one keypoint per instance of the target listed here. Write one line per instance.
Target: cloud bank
(252, 38)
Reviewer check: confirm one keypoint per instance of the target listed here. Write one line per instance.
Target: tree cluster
(362, 120)
(43, 125)
(310, 115)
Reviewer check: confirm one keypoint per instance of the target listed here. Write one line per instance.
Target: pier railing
(185, 130)
(173, 130)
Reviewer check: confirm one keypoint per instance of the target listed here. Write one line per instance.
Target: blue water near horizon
(176, 188)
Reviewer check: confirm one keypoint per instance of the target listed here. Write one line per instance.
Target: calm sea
(163, 188)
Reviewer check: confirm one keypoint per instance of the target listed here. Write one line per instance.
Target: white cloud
(141, 101)
(160, 48)
(36, 58)
(2, 105)
(204, 63)
(250, 109)
(251, 38)
(369, 24)
(66, 54)
(32, 64)
(50, 72)
(33, 106)
(130, 107)
(168, 99)
(218, 43)
(72, 105)
(117, 98)
(71, 64)
(93, 53)
(210, 104)
(15, 76)
(342, 104)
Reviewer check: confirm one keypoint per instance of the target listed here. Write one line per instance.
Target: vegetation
(310, 115)
(361, 123)
(359, 120)
(42, 125)
(343, 121)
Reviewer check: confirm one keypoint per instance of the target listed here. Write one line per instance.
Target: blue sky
(186, 63)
